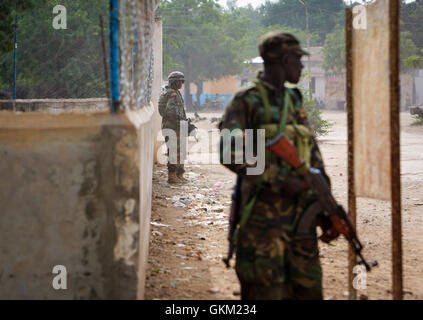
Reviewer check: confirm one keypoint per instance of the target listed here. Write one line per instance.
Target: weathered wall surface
(56, 105)
(70, 195)
(157, 82)
(144, 124)
(371, 63)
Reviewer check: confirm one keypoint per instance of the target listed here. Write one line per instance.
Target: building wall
(224, 88)
(157, 82)
(406, 88)
(75, 191)
(419, 87)
(320, 87)
(335, 95)
(226, 85)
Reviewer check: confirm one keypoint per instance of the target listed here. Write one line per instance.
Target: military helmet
(277, 43)
(176, 75)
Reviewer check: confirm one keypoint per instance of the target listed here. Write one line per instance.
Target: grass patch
(418, 121)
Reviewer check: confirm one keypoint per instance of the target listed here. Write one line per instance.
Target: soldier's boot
(180, 174)
(181, 178)
(172, 178)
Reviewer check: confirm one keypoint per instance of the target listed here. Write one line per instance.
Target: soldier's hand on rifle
(293, 185)
(329, 233)
(289, 185)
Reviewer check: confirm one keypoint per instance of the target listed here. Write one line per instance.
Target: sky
(256, 3)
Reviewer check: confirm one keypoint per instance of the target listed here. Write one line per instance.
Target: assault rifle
(338, 218)
(233, 221)
(191, 128)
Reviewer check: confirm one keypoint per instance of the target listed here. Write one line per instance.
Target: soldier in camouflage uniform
(272, 260)
(171, 108)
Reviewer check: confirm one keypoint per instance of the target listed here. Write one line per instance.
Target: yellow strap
(263, 94)
(291, 105)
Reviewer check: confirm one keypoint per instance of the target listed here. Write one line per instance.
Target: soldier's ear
(284, 60)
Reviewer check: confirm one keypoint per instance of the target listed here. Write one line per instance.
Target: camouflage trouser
(271, 265)
(178, 167)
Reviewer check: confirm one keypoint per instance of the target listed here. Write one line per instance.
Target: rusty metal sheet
(371, 100)
(373, 104)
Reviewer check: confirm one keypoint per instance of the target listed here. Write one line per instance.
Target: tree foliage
(203, 40)
(407, 48)
(8, 10)
(324, 15)
(334, 51)
(412, 21)
(414, 62)
(63, 63)
(319, 126)
(250, 49)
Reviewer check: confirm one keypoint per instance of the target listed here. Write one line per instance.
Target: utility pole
(114, 54)
(305, 4)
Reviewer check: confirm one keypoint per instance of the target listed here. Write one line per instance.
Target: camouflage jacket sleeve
(174, 107)
(316, 160)
(233, 125)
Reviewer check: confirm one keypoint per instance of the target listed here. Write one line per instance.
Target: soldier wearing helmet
(171, 108)
(273, 261)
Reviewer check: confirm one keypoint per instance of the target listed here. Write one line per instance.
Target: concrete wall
(143, 121)
(56, 105)
(157, 81)
(72, 194)
(320, 87)
(419, 87)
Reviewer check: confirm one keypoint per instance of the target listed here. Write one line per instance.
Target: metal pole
(305, 4)
(352, 209)
(135, 47)
(397, 270)
(308, 49)
(15, 51)
(114, 54)
(103, 47)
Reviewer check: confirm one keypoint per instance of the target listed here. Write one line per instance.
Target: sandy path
(185, 255)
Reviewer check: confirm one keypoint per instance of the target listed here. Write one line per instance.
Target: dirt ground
(189, 225)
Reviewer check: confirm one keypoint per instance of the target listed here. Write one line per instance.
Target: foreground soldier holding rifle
(274, 215)
(334, 214)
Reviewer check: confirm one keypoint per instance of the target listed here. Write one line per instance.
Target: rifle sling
(308, 218)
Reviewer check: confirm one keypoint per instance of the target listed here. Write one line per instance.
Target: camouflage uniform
(171, 108)
(272, 261)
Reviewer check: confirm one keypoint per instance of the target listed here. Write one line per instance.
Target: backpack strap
(265, 99)
(259, 180)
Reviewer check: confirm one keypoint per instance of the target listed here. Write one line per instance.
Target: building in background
(327, 89)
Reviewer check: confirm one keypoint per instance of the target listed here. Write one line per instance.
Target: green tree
(203, 40)
(334, 51)
(411, 20)
(415, 61)
(58, 63)
(250, 49)
(319, 126)
(323, 15)
(407, 47)
(8, 10)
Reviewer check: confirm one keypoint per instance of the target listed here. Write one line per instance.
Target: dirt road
(189, 225)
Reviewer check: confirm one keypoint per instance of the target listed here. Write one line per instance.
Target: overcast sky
(256, 3)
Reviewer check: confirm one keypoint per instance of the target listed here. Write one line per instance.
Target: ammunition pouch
(298, 134)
